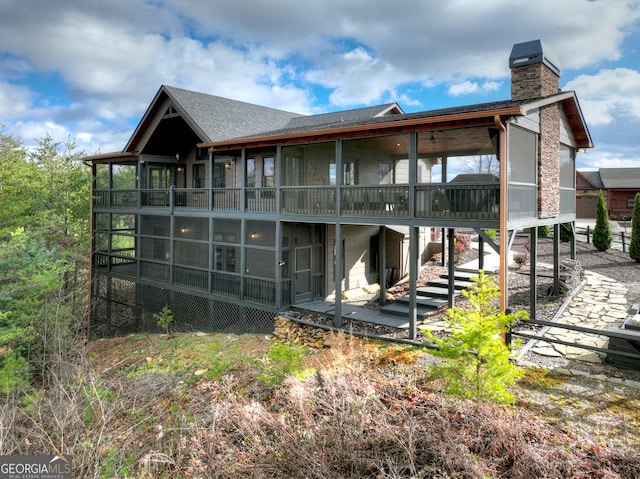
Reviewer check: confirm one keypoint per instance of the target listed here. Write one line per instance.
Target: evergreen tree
(602, 236)
(634, 247)
(44, 211)
(477, 362)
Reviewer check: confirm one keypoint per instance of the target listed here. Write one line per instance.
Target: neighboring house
(619, 186)
(228, 212)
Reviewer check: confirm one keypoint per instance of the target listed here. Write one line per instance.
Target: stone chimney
(535, 73)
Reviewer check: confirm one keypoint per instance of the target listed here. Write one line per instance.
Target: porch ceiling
(444, 142)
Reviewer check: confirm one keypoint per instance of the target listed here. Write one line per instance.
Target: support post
(452, 266)
(413, 279)
(337, 273)
(556, 259)
(533, 271)
(382, 264)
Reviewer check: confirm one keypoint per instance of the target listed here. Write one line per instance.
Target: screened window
(124, 177)
(567, 167)
(523, 154)
(155, 225)
(191, 228)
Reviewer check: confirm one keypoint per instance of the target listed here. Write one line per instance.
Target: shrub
(283, 360)
(634, 247)
(491, 234)
(462, 244)
(602, 236)
(566, 231)
(520, 259)
(477, 362)
(543, 231)
(164, 318)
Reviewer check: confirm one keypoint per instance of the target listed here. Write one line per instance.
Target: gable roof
(212, 118)
(620, 177)
(591, 177)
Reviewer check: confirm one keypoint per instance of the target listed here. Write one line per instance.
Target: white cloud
(113, 56)
(608, 95)
(15, 101)
(469, 87)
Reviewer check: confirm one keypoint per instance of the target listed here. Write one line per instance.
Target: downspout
(504, 249)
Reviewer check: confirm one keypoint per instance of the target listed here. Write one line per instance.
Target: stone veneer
(534, 81)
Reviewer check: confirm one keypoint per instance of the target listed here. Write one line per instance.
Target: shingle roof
(337, 121)
(358, 114)
(592, 177)
(221, 118)
(620, 177)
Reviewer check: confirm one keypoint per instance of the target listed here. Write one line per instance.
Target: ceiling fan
(433, 140)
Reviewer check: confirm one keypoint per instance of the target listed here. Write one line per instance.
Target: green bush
(283, 360)
(491, 234)
(477, 362)
(543, 231)
(566, 231)
(634, 247)
(602, 236)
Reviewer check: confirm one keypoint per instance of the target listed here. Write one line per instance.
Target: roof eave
(108, 157)
(392, 124)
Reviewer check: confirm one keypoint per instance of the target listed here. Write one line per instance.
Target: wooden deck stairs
(432, 297)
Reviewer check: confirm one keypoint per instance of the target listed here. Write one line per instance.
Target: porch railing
(379, 200)
(306, 200)
(457, 200)
(432, 200)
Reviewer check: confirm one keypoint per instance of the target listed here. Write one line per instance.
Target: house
(618, 185)
(228, 212)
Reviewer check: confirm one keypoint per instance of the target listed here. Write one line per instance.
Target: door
(159, 179)
(303, 274)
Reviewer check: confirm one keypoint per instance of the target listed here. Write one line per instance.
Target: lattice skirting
(120, 306)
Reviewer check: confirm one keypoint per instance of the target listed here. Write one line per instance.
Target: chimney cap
(535, 51)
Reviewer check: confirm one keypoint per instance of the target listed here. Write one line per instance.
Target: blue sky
(86, 70)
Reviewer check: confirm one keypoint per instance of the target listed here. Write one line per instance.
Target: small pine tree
(164, 318)
(477, 362)
(602, 236)
(634, 247)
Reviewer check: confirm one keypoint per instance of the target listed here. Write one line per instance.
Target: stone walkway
(600, 304)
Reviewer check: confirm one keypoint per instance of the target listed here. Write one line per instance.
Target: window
(251, 172)
(384, 174)
(631, 201)
(198, 176)
(219, 175)
(268, 172)
(349, 174)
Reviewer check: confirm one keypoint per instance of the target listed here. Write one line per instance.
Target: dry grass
(369, 411)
